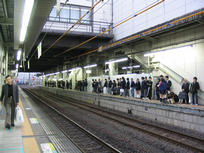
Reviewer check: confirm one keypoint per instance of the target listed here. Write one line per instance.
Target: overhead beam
(5, 8)
(6, 21)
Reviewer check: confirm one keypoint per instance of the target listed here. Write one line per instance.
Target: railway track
(82, 138)
(192, 143)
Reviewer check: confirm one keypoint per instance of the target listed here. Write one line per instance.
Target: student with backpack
(162, 90)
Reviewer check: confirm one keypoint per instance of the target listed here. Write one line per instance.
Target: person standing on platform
(127, 88)
(137, 88)
(96, 86)
(105, 87)
(157, 90)
(132, 89)
(93, 85)
(123, 86)
(109, 85)
(142, 88)
(194, 90)
(185, 88)
(99, 86)
(149, 84)
(162, 90)
(168, 85)
(114, 88)
(118, 86)
(10, 99)
(145, 86)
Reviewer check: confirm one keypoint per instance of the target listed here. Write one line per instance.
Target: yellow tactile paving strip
(30, 144)
(25, 126)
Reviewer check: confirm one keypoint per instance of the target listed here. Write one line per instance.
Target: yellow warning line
(30, 144)
(25, 126)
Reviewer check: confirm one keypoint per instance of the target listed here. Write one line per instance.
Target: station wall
(187, 62)
(164, 12)
(4, 63)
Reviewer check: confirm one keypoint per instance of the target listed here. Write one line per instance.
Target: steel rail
(175, 141)
(114, 150)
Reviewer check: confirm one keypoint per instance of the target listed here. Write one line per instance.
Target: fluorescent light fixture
(130, 67)
(64, 71)
(117, 61)
(136, 66)
(173, 49)
(56, 73)
(17, 66)
(28, 6)
(90, 66)
(88, 71)
(18, 57)
(73, 69)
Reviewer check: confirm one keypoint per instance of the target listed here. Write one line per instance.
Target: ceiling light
(18, 57)
(73, 69)
(136, 66)
(56, 73)
(88, 71)
(26, 17)
(130, 67)
(64, 71)
(173, 49)
(117, 61)
(90, 66)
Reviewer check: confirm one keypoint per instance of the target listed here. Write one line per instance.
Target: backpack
(163, 86)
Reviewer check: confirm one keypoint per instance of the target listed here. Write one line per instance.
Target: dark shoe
(13, 124)
(7, 126)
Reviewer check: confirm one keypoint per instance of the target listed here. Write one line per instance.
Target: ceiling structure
(7, 28)
(40, 12)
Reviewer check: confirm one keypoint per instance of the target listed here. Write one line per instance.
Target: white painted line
(34, 120)
(48, 148)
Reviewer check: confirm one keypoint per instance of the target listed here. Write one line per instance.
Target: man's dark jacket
(4, 94)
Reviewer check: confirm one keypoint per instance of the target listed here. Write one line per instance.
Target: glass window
(64, 15)
(53, 14)
(87, 18)
(74, 14)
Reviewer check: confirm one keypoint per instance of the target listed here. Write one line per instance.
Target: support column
(6, 62)
(113, 69)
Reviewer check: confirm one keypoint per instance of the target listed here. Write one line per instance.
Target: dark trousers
(127, 92)
(150, 93)
(194, 98)
(187, 99)
(142, 93)
(10, 111)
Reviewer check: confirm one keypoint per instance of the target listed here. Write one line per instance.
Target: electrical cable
(58, 39)
(129, 18)
(47, 31)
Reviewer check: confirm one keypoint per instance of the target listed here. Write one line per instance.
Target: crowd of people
(143, 89)
(138, 89)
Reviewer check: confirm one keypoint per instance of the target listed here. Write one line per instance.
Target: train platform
(37, 134)
(184, 116)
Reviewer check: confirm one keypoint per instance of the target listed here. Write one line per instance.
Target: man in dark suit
(10, 99)
(185, 88)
